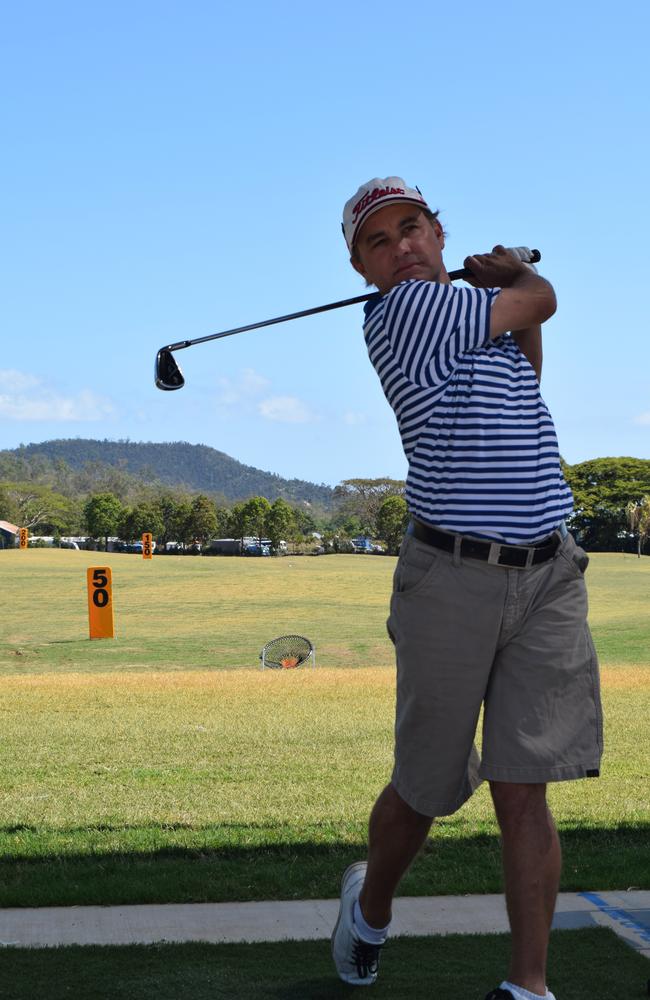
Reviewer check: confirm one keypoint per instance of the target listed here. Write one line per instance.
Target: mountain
(194, 466)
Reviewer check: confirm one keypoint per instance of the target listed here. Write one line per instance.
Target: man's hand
(499, 269)
(526, 299)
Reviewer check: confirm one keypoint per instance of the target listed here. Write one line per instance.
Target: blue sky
(170, 170)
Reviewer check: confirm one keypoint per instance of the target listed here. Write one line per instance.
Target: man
(489, 602)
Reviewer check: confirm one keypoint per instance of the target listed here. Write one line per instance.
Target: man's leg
(395, 835)
(531, 864)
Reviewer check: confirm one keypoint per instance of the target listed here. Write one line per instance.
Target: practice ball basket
(288, 652)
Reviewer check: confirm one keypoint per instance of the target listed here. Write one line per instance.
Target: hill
(193, 466)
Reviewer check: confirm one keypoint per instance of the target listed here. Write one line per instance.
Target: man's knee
(392, 802)
(514, 802)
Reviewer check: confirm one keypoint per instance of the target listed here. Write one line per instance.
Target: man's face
(398, 243)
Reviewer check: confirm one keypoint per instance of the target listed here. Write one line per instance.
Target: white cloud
(248, 385)
(286, 410)
(27, 397)
(244, 392)
(643, 418)
(14, 381)
(353, 419)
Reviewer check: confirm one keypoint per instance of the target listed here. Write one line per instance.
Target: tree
(8, 507)
(280, 521)
(305, 522)
(36, 506)
(136, 520)
(392, 521)
(202, 525)
(64, 518)
(237, 521)
(181, 526)
(362, 498)
(223, 522)
(254, 513)
(602, 489)
(102, 512)
(167, 504)
(348, 526)
(638, 515)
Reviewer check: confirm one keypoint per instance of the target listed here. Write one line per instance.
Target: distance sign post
(100, 602)
(147, 547)
(24, 538)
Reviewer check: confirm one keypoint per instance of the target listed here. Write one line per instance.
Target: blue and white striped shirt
(480, 442)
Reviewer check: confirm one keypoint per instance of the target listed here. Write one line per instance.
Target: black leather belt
(502, 555)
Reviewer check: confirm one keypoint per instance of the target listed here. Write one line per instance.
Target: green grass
(242, 784)
(167, 781)
(183, 613)
(180, 613)
(590, 964)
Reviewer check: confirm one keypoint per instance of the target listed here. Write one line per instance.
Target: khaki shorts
(468, 633)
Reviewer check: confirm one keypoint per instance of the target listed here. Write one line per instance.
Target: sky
(170, 170)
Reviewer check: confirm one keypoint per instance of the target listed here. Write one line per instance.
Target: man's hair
(426, 212)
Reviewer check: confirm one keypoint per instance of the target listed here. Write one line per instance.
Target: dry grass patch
(237, 747)
(250, 747)
(622, 677)
(204, 785)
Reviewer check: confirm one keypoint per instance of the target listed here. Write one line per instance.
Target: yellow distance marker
(23, 535)
(100, 602)
(147, 546)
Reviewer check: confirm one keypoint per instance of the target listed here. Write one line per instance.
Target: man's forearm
(526, 298)
(529, 342)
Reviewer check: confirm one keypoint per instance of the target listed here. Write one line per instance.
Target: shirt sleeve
(429, 326)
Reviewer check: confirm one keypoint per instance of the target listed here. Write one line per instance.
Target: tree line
(194, 521)
(199, 520)
(612, 508)
(369, 508)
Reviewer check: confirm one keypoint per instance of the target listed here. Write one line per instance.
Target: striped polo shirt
(482, 451)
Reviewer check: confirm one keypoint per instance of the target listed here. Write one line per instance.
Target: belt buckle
(494, 554)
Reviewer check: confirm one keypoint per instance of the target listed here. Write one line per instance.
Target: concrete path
(627, 913)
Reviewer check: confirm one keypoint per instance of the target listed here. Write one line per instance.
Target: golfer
(489, 606)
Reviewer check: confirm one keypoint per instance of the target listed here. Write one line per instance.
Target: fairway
(165, 766)
(185, 613)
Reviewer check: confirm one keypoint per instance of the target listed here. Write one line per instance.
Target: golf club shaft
(453, 276)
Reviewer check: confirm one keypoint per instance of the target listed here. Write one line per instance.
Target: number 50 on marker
(100, 602)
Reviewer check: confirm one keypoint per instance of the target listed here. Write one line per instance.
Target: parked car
(257, 550)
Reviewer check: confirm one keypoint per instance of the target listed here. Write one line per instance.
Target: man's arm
(529, 343)
(526, 299)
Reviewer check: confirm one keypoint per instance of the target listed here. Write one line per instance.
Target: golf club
(168, 375)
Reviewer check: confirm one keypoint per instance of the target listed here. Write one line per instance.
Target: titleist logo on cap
(372, 196)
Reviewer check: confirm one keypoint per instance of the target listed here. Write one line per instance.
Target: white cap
(372, 196)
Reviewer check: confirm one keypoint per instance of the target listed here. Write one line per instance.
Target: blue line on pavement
(621, 916)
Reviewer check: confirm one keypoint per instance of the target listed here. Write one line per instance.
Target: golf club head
(168, 374)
